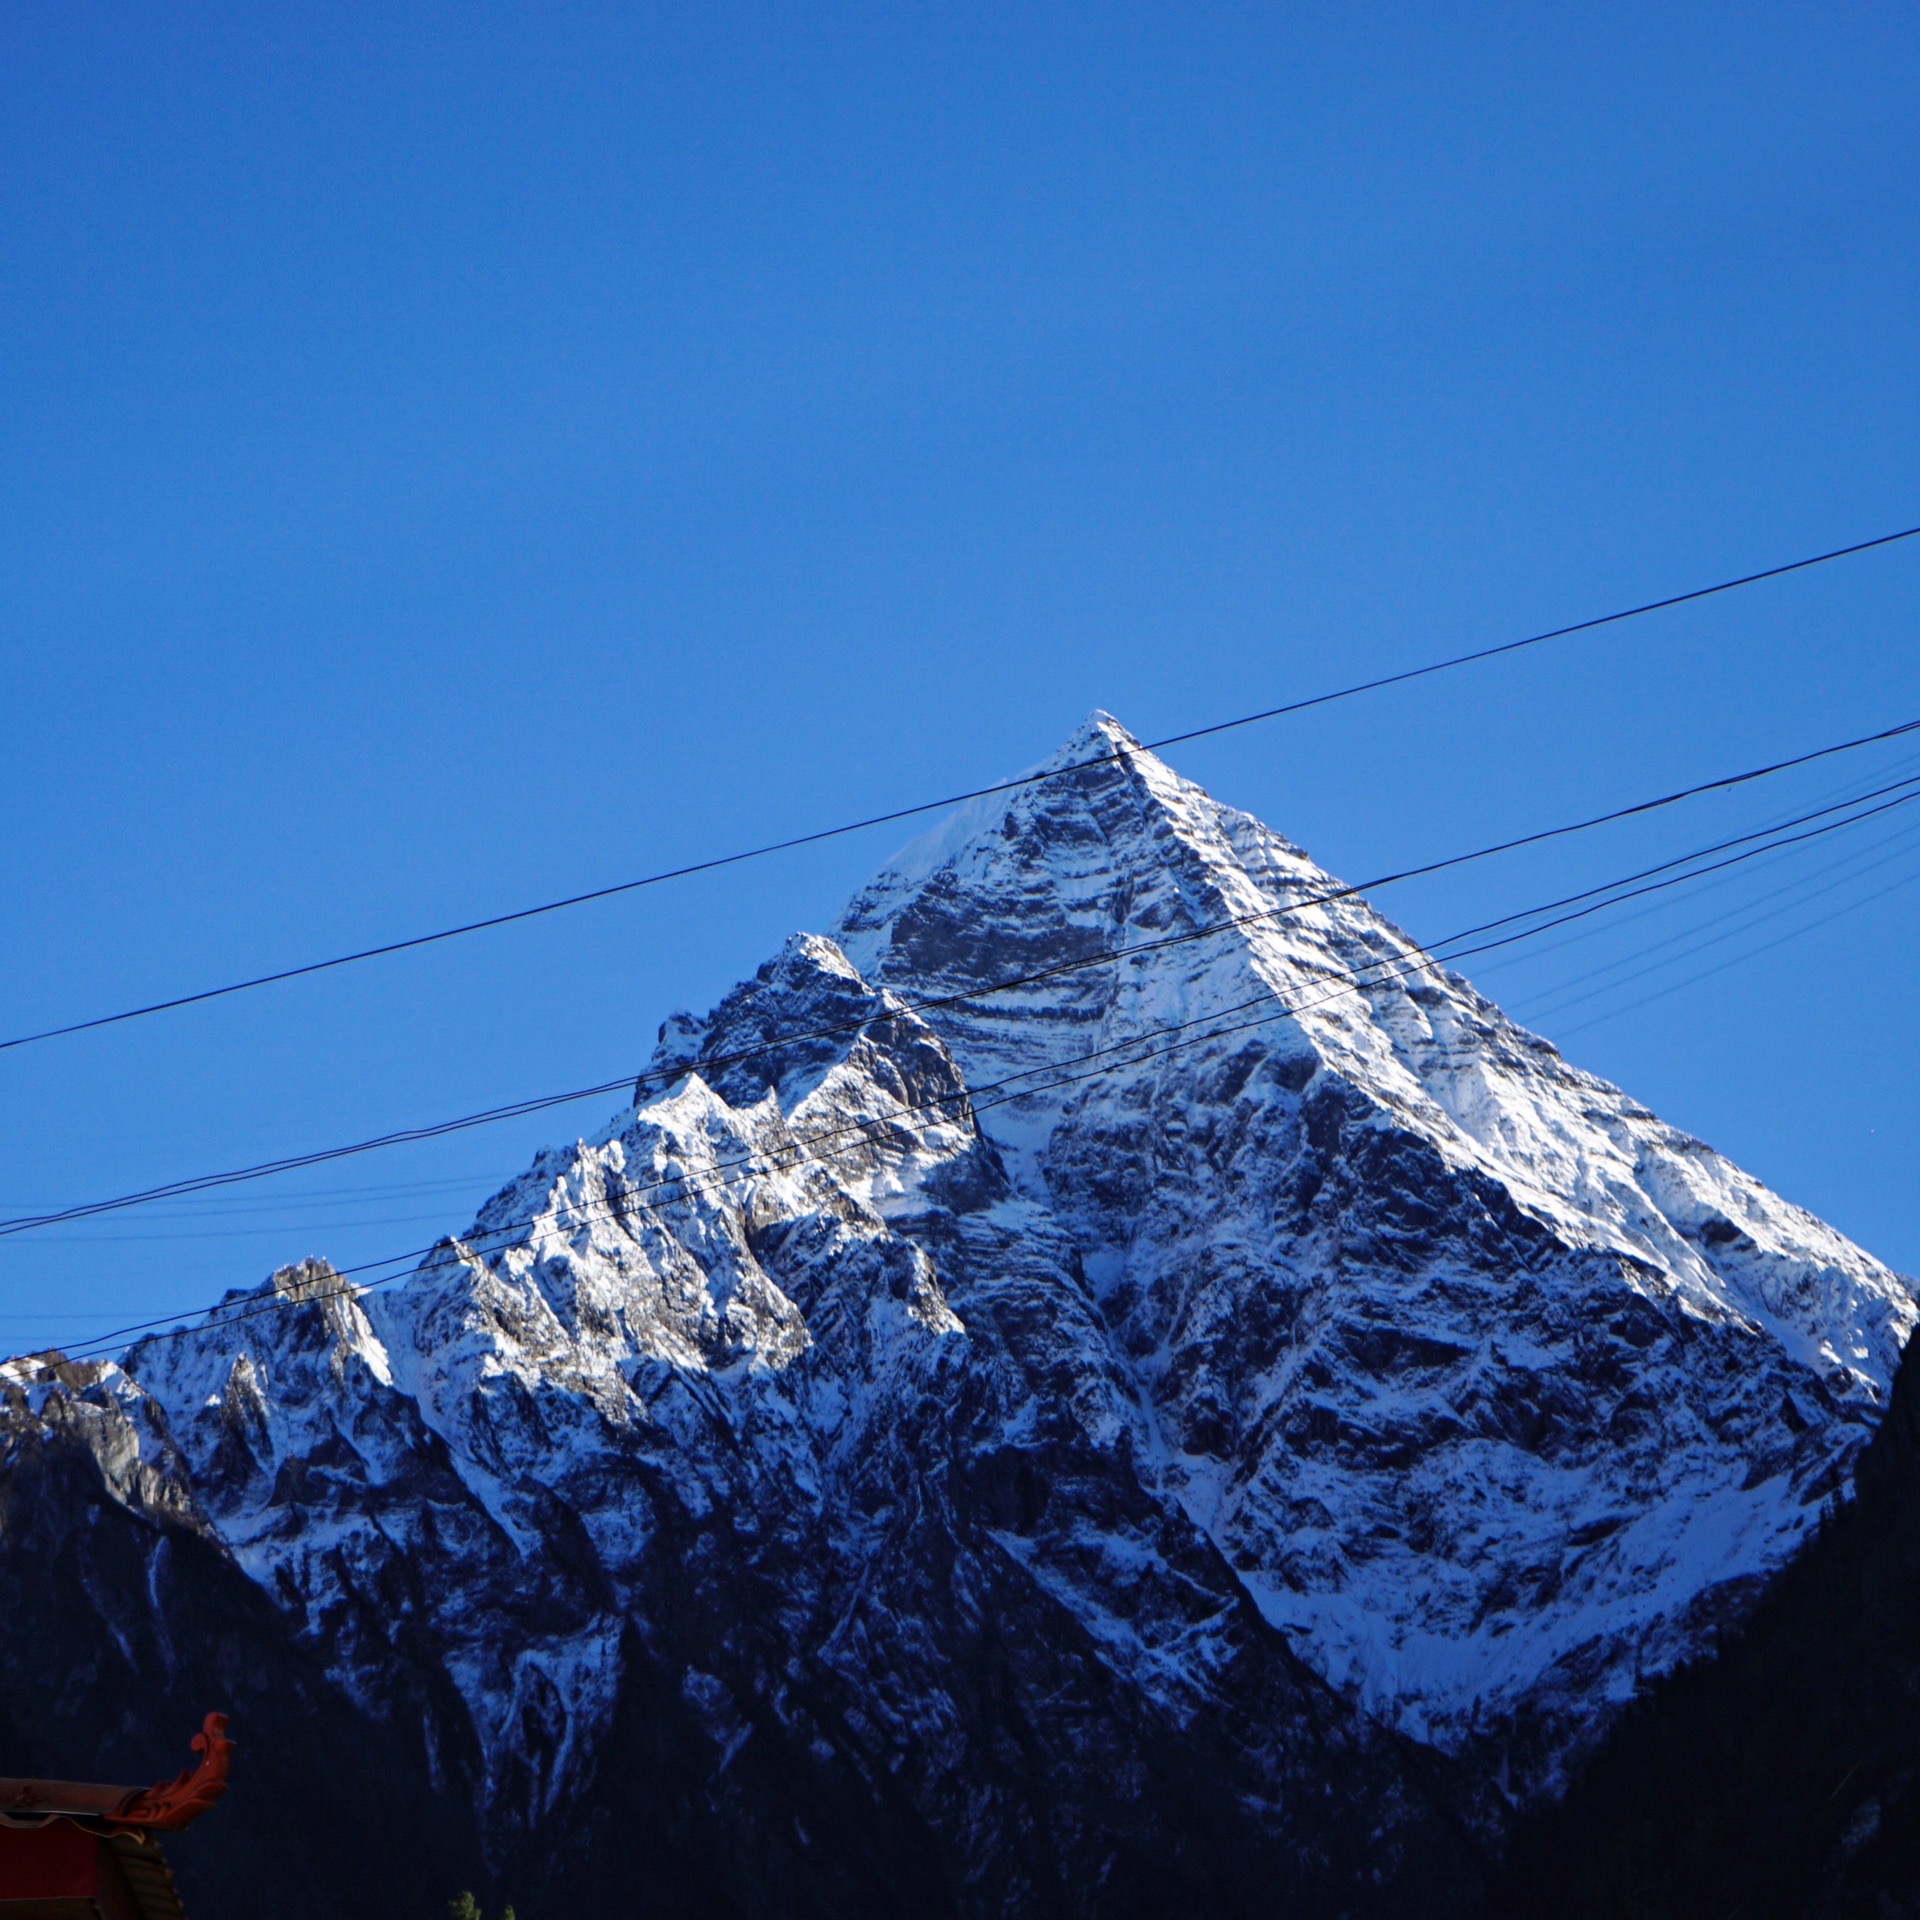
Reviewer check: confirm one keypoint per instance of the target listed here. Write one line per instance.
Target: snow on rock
(1496, 1390)
(1027, 1389)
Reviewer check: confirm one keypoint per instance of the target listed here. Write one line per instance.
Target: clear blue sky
(459, 455)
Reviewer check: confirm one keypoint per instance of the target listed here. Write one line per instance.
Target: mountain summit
(1492, 1387)
(1111, 1384)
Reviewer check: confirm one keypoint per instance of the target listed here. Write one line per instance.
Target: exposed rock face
(1111, 1445)
(1493, 1388)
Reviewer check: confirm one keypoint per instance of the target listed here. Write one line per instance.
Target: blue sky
(456, 456)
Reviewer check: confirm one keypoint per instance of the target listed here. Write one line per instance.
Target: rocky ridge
(1216, 1418)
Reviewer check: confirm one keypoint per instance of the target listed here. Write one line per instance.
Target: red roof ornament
(189, 1793)
(170, 1806)
(72, 1847)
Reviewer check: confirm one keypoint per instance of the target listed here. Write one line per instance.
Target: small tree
(463, 1906)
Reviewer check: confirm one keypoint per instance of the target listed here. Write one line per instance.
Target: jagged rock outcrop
(999, 1428)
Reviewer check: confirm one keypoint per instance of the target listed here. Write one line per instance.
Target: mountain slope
(1182, 1433)
(1782, 1777)
(1496, 1390)
(126, 1620)
(719, 1486)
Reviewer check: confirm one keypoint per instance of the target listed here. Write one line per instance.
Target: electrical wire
(1749, 915)
(744, 1168)
(951, 800)
(805, 1148)
(1441, 955)
(228, 1233)
(1848, 790)
(313, 1197)
(1739, 959)
(517, 1109)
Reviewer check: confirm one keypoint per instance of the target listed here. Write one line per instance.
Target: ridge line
(953, 800)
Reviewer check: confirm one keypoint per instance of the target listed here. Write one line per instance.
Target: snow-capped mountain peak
(1113, 1322)
(1387, 1264)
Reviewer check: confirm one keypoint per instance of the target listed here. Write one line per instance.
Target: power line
(1733, 923)
(1740, 959)
(1582, 904)
(803, 1147)
(951, 800)
(965, 1097)
(743, 1167)
(304, 1198)
(280, 1227)
(1532, 1015)
(200, 1183)
(1549, 1002)
(1591, 933)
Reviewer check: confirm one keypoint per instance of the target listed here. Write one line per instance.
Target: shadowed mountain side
(1780, 1781)
(126, 1622)
(732, 1779)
